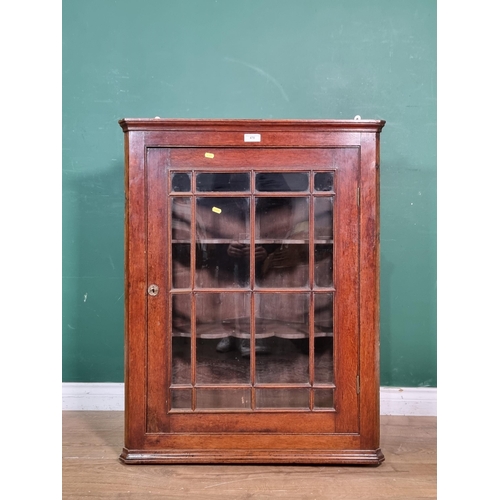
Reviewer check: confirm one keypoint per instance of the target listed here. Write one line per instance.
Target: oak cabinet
(252, 291)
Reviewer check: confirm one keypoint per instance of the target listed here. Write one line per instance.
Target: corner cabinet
(252, 291)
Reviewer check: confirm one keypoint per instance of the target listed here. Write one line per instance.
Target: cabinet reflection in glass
(288, 296)
(222, 242)
(282, 232)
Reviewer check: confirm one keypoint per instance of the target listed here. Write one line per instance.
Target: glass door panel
(262, 340)
(252, 289)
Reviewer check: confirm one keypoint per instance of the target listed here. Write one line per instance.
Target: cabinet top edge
(158, 124)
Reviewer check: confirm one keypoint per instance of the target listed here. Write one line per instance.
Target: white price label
(252, 137)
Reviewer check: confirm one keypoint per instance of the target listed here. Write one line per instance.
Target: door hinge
(357, 384)
(358, 196)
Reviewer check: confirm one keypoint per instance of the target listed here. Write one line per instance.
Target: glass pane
(284, 315)
(282, 249)
(323, 314)
(181, 339)
(181, 360)
(282, 398)
(223, 182)
(223, 398)
(221, 314)
(323, 219)
(323, 398)
(223, 322)
(323, 332)
(323, 181)
(323, 237)
(181, 398)
(181, 182)
(181, 315)
(223, 236)
(282, 332)
(220, 361)
(181, 257)
(323, 265)
(181, 246)
(286, 360)
(276, 181)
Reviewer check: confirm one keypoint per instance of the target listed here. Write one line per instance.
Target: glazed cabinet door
(252, 303)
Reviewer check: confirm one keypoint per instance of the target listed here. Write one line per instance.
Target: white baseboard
(93, 396)
(416, 401)
(412, 401)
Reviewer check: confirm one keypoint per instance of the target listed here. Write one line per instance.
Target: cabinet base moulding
(354, 457)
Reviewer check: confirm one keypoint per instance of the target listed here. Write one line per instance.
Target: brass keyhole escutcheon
(153, 290)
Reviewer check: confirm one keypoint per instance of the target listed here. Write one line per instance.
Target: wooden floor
(92, 442)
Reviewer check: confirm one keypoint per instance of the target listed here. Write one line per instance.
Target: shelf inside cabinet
(240, 328)
(277, 241)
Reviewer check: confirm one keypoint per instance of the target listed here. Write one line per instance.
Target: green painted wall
(240, 59)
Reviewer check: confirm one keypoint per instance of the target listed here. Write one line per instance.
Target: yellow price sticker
(216, 210)
(209, 155)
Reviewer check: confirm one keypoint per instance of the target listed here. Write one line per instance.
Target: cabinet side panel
(369, 294)
(346, 283)
(135, 297)
(157, 306)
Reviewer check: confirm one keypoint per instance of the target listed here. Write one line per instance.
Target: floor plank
(92, 442)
